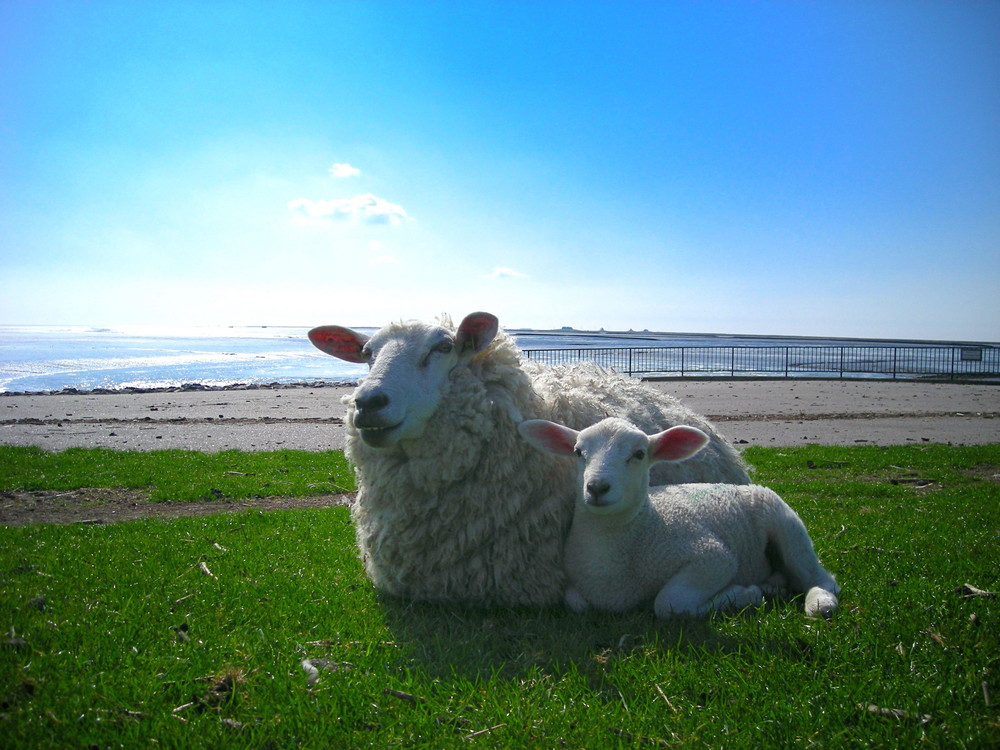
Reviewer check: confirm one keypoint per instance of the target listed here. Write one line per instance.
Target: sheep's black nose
(371, 401)
(597, 488)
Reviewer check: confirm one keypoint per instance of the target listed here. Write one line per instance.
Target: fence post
(786, 361)
(895, 351)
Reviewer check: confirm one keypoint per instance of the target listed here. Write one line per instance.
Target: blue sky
(799, 168)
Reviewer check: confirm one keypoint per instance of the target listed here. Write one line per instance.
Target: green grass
(117, 635)
(178, 475)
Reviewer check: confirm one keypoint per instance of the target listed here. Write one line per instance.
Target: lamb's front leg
(690, 590)
(738, 597)
(775, 587)
(704, 585)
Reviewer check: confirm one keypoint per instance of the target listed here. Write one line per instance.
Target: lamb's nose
(597, 488)
(371, 401)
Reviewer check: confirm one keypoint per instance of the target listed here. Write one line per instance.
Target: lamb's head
(613, 457)
(409, 364)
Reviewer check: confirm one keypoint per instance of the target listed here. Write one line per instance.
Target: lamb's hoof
(820, 603)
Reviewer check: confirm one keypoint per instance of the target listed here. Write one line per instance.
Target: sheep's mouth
(378, 437)
(599, 504)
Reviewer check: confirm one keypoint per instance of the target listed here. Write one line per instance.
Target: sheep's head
(409, 364)
(613, 457)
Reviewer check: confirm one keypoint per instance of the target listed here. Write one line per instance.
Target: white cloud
(344, 170)
(379, 257)
(365, 208)
(502, 272)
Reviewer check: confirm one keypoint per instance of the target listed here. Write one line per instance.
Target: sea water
(44, 358)
(53, 358)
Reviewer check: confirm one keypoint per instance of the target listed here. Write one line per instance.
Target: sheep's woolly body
(470, 512)
(745, 532)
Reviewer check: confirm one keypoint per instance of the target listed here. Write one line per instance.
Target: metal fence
(787, 361)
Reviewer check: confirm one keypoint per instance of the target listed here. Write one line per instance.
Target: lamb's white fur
(688, 548)
(453, 505)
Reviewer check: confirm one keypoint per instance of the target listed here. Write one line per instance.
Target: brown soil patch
(986, 472)
(92, 505)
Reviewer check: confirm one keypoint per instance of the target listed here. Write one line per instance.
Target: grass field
(259, 629)
(177, 475)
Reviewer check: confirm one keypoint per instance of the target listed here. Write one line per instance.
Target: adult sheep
(453, 505)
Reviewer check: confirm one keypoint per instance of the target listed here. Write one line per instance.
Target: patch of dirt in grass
(987, 472)
(94, 505)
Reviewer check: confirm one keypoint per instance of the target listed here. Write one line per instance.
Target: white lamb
(689, 548)
(453, 506)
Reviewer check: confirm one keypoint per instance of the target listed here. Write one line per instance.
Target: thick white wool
(470, 512)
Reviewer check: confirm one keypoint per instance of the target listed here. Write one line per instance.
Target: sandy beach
(750, 412)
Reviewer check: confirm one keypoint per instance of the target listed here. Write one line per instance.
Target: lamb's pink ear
(339, 342)
(476, 332)
(677, 443)
(549, 436)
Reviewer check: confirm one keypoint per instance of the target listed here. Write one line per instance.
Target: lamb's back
(738, 517)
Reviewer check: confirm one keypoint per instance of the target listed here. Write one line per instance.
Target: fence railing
(786, 361)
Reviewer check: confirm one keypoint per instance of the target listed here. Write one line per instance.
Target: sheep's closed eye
(639, 455)
(445, 347)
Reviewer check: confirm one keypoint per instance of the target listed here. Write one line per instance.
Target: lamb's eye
(578, 453)
(639, 455)
(367, 355)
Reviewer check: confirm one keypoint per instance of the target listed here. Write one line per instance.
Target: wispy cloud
(364, 208)
(380, 258)
(502, 272)
(344, 170)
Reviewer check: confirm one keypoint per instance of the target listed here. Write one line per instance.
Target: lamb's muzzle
(596, 492)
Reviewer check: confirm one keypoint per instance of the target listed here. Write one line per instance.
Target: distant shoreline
(647, 335)
(186, 388)
(317, 384)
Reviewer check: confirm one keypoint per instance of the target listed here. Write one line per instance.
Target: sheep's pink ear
(339, 342)
(476, 332)
(549, 436)
(677, 443)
